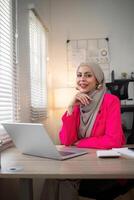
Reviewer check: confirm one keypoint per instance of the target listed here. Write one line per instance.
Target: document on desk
(107, 154)
(124, 151)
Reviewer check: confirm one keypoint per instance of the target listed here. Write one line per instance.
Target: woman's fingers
(83, 98)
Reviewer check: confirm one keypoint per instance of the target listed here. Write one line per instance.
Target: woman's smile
(86, 80)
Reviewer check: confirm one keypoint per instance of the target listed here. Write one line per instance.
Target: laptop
(33, 139)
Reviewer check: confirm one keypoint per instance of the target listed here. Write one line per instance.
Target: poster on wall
(87, 50)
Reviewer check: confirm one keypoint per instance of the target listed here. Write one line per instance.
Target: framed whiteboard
(87, 50)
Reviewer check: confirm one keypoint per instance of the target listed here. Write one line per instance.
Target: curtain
(38, 60)
(9, 98)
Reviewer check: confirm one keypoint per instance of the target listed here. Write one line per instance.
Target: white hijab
(89, 112)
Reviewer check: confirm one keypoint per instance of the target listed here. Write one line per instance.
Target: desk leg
(26, 189)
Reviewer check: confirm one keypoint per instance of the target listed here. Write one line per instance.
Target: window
(8, 67)
(37, 67)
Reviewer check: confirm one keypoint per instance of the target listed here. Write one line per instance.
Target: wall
(77, 19)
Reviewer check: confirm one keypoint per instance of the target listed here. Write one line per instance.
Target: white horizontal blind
(8, 70)
(37, 68)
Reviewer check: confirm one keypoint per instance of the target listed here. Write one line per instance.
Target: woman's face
(85, 80)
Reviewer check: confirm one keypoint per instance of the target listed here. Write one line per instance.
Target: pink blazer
(107, 130)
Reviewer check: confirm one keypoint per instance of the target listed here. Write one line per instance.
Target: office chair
(130, 139)
(118, 88)
(107, 189)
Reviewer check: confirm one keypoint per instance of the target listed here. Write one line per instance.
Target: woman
(92, 120)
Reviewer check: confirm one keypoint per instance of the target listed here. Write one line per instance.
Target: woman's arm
(71, 119)
(68, 133)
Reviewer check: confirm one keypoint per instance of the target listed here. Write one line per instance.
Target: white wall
(83, 19)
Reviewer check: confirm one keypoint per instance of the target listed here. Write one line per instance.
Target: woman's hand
(82, 98)
(79, 98)
(75, 143)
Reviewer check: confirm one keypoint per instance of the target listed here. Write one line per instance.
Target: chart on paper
(87, 50)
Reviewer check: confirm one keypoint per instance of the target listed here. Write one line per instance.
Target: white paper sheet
(124, 151)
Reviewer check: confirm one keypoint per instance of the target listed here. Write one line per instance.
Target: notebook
(33, 139)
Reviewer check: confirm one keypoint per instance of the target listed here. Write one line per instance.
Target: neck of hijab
(89, 112)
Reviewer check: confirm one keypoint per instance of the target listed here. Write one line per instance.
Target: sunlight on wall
(63, 96)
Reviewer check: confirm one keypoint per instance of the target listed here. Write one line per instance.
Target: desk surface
(86, 166)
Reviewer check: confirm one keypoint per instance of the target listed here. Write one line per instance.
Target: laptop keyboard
(66, 153)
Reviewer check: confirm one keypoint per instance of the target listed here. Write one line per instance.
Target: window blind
(38, 55)
(8, 67)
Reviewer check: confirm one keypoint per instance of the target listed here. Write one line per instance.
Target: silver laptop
(33, 139)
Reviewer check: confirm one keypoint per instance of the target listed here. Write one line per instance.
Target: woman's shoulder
(109, 98)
